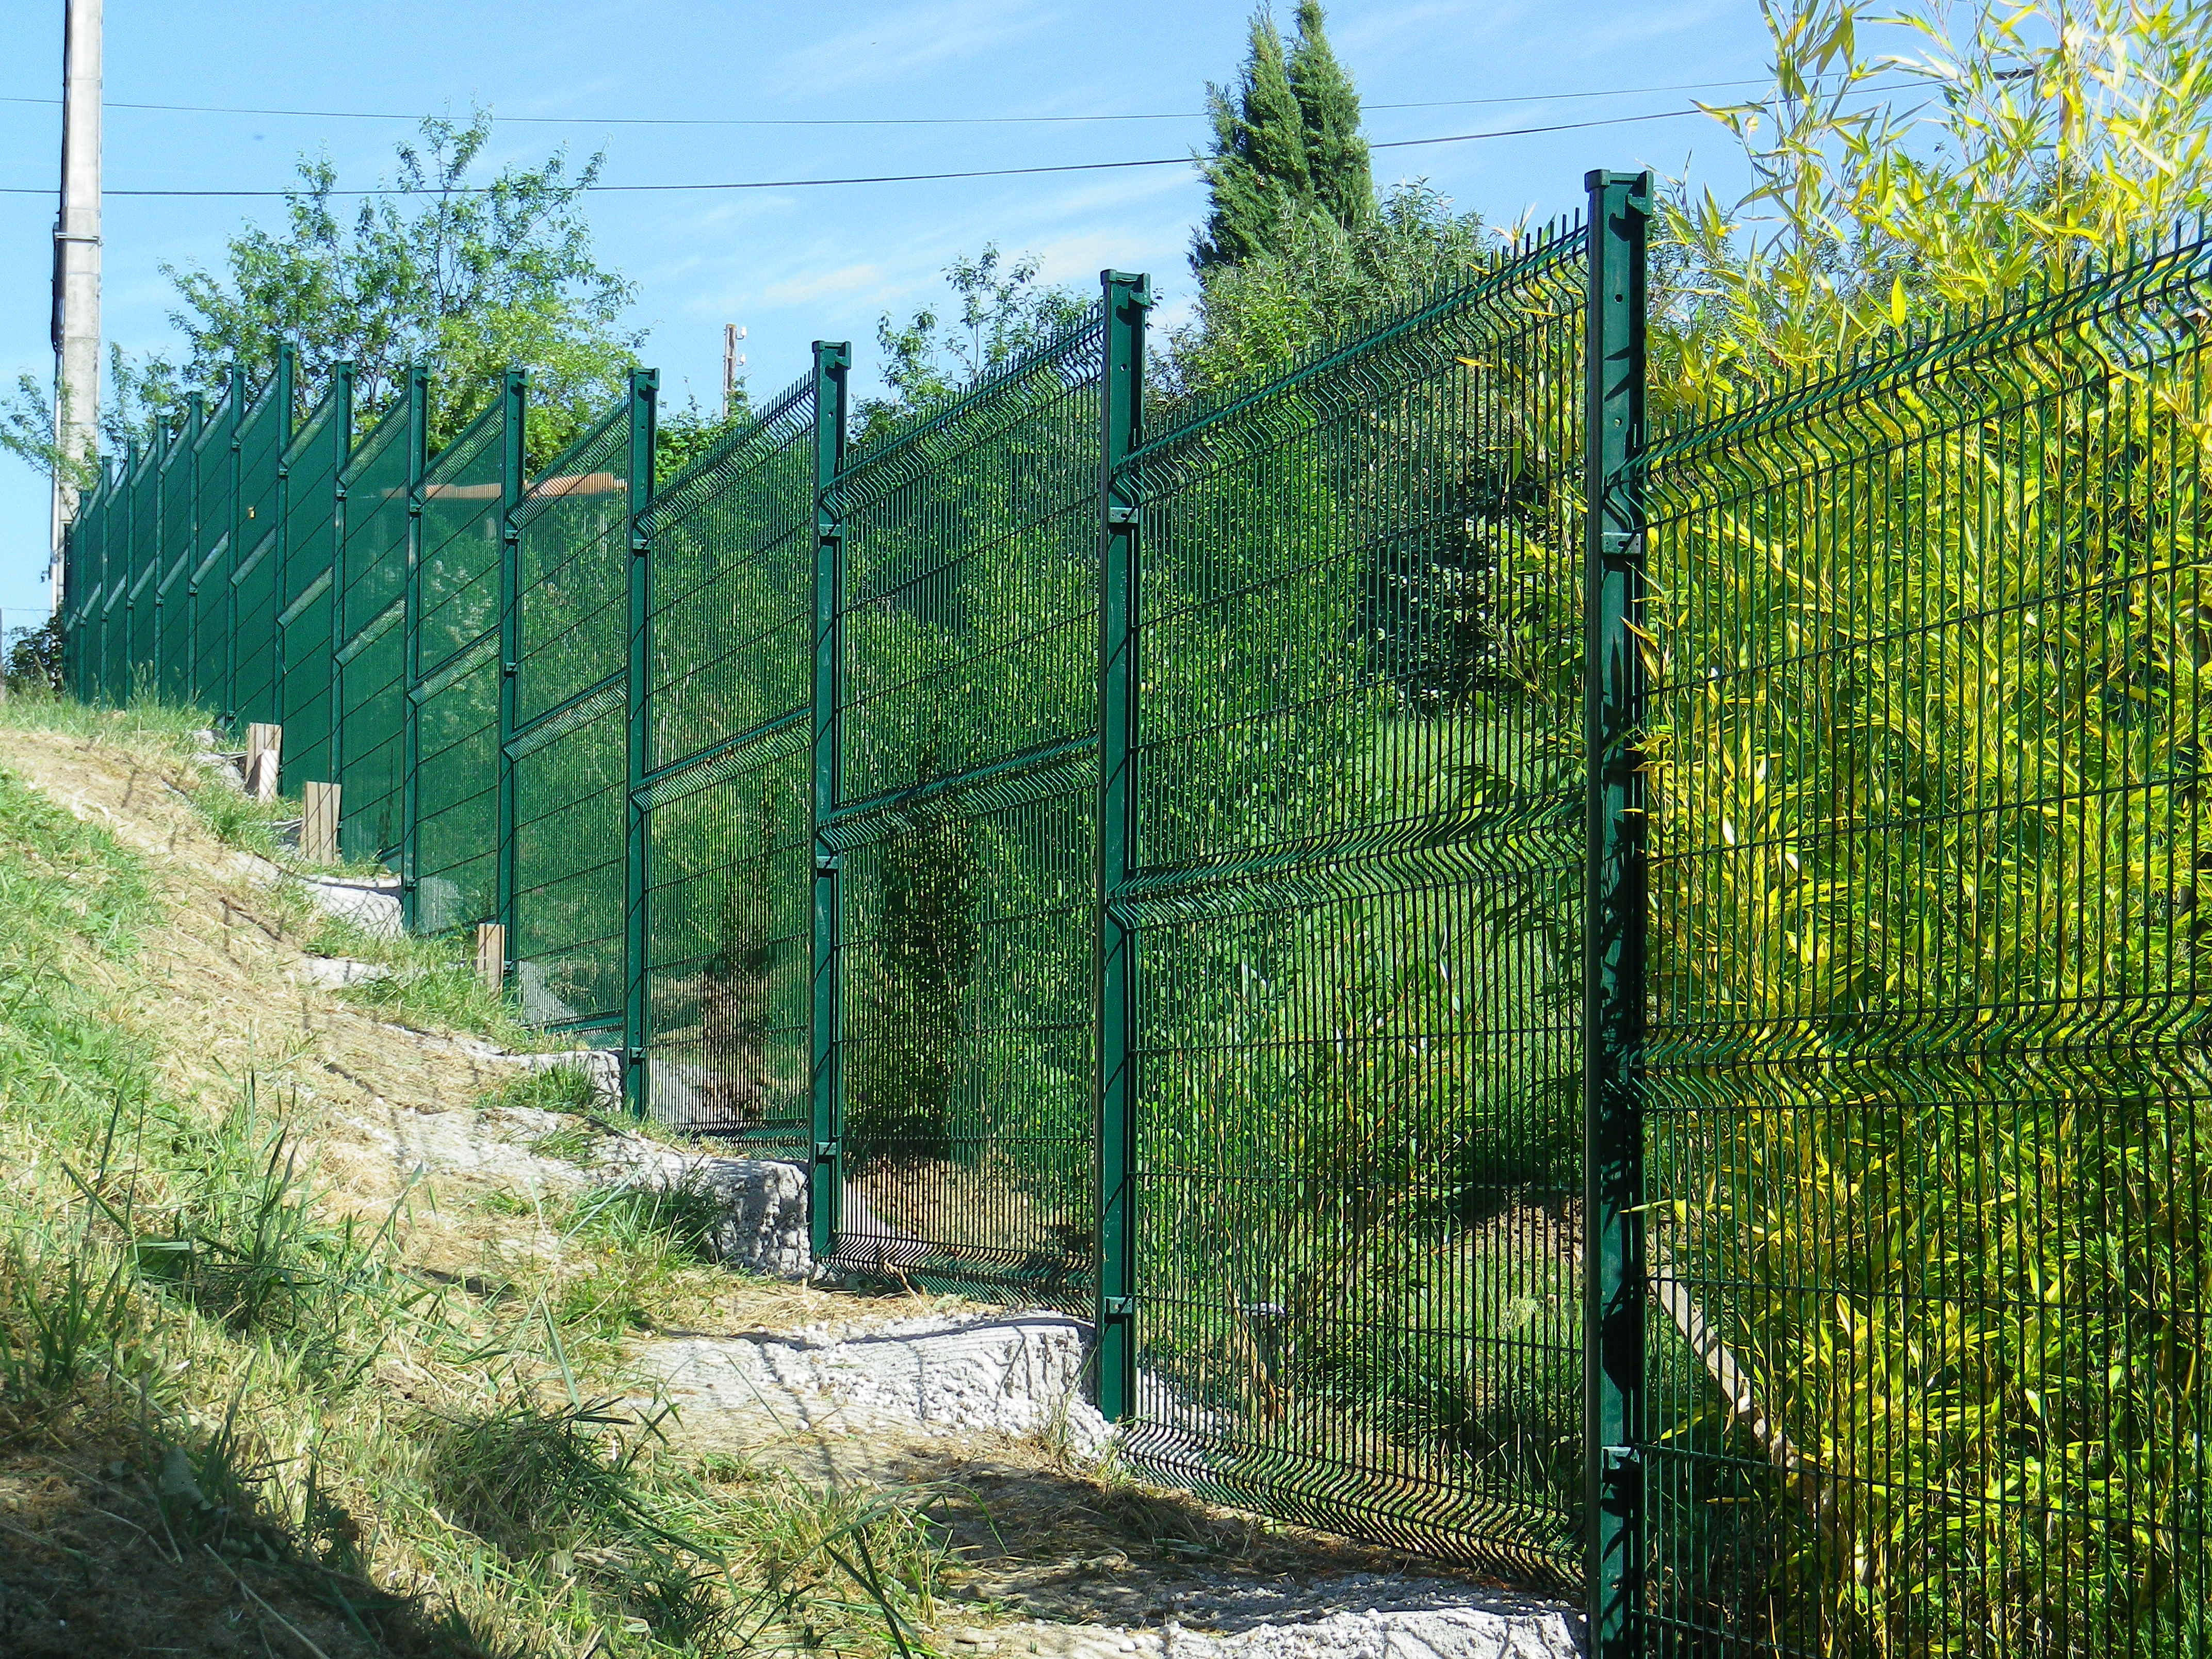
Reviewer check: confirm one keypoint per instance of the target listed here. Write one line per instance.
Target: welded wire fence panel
(371, 658)
(569, 747)
(173, 658)
(966, 829)
(728, 814)
(129, 636)
(87, 590)
(1358, 771)
(254, 602)
(208, 591)
(1929, 1110)
(457, 776)
(144, 631)
(308, 558)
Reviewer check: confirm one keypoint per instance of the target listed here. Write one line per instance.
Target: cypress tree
(1258, 166)
(1328, 106)
(1285, 142)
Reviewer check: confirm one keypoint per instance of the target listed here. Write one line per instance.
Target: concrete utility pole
(76, 263)
(732, 361)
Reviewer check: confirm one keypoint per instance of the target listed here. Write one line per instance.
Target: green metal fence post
(826, 1170)
(341, 429)
(119, 695)
(228, 701)
(187, 658)
(514, 408)
(644, 392)
(288, 359)
(410, 639)
(1121, 397)
(1615, 915)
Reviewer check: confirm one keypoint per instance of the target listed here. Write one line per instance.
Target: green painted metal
(207, 581)
(255, 580)
(571, 745)
(410, 666)
(1187, 858)
(1615, 908)
(380, 483)
(170, 679)
(1928, 1121)
(964, 833)
(826, 1170)
(1126, 300)
(306, 636)
(455, 692)
(1354, 900)
(644, 395)
(724, 799)
(513, 485)
(224, 651)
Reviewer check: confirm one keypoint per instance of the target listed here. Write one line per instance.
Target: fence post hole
(644, 391)
(318, 823)
(265, 754)
(410, 642)
(1613, 674)
(825, 1180)
(491, 955)
(1127, 298)
(514, 392)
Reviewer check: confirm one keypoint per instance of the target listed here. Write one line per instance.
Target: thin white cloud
(1654, 23)
(866, 278)
(900, 43)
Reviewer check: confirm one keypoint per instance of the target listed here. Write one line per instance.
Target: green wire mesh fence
(1186, 865)
(455, 679)
(1930, 1111)
(378, 484)
(1357, 908)
(961, 825)
(305, 635)
(569, 750)
(727, 792)
(256, 540)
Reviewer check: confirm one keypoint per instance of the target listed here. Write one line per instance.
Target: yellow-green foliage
(1932, 1138)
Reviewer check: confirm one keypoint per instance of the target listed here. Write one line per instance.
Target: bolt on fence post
(644, 395)
(1122, 400)
(411, 637)
(1613, 674)
(826, 1168)
(513, 409)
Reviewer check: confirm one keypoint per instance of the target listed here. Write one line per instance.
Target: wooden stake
(264, 754)
(491, 954)
(319, 823)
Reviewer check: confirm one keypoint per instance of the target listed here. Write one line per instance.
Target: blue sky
(797, 265)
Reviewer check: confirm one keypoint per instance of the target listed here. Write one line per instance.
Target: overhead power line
(881, 121)
(909, 178)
